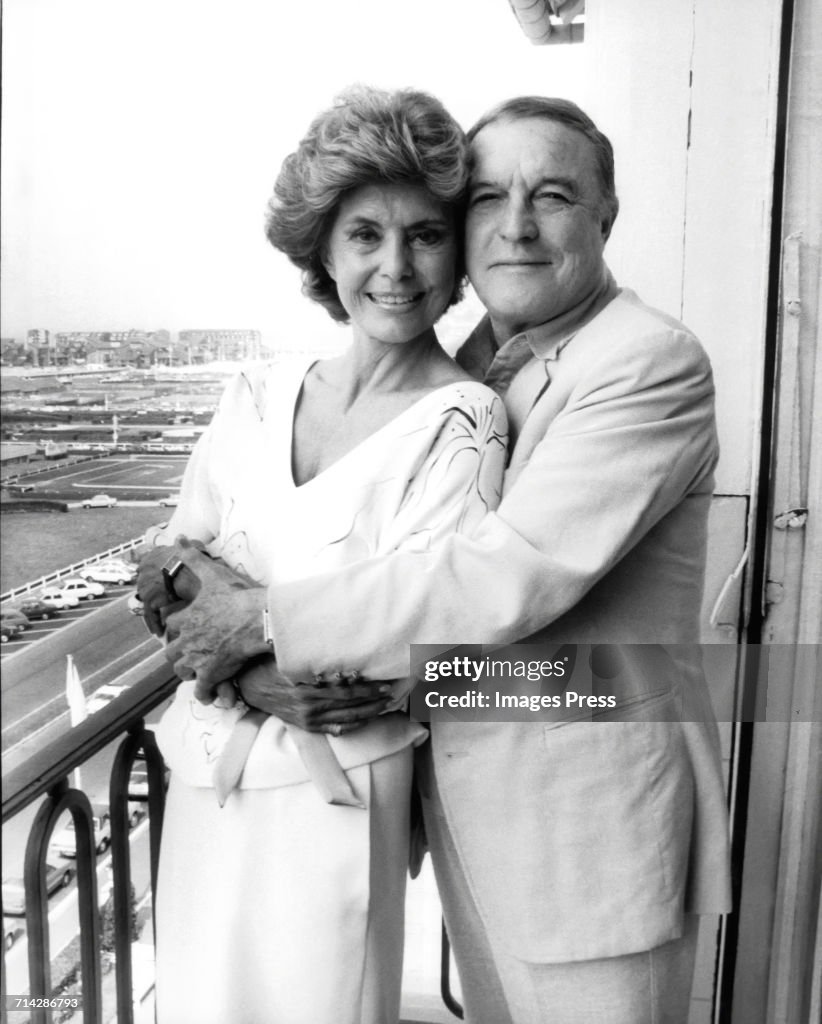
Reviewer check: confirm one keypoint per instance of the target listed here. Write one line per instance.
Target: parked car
(33, 608)
(64, 842)
(107, 574)
(170, 501)
(138, 780)
(8, 633)
(11, 617)
(137, 810)
(84, 590)
(14, 891)
(100, 501)
(119, 563)
(11, 932)
(57, 599)
(103, 696)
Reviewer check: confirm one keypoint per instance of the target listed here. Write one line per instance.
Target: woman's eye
(427, 237)
(364, 235)
(483, 197)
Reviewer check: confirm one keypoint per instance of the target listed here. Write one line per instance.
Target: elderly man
(573, 855)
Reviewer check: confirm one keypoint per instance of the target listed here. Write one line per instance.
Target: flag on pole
(74, 693)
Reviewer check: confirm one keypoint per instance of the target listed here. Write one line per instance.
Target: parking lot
(118, 475)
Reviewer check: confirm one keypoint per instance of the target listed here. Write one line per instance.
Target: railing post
(60, 799)
(156, 807)
(139, 738)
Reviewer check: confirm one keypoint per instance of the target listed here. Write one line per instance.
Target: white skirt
(281, 909)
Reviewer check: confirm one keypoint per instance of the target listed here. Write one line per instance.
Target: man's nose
(518, 221)
(395, 258)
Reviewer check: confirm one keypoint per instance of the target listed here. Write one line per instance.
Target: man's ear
(609, 215)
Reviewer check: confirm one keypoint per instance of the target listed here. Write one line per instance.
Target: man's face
(536, 223)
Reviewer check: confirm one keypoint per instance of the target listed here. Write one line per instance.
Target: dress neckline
(361, 444)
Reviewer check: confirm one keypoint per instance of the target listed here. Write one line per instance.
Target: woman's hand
(339, 705)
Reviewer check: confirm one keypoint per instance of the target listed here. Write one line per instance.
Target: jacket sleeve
(634, 438)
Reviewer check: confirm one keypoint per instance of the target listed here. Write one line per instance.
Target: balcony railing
(47, 773)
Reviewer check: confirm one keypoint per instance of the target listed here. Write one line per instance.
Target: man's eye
(553, 197)
(483, 197)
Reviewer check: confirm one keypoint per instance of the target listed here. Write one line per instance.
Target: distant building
(43, 346)
(206, 346)
(12, 453)
(16, 353)
(137, 348)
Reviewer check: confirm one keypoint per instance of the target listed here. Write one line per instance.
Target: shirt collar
(546, 341)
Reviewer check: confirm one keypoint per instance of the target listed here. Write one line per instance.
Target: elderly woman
(279, 906)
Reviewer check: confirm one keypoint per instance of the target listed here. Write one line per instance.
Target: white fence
(69, 570)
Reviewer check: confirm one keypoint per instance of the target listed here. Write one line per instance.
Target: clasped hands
(212, 617)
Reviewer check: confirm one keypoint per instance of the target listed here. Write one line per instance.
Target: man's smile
(519, 262)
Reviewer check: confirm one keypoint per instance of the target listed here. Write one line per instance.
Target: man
(571, 855)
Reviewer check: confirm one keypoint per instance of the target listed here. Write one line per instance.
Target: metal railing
(47, 773)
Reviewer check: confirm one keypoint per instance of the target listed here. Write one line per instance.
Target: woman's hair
(368, 136)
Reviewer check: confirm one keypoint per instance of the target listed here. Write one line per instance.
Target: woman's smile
(391, 253)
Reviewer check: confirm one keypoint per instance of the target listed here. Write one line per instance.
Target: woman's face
(391, 253)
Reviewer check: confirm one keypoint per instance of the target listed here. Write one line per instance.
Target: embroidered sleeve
(459, 479)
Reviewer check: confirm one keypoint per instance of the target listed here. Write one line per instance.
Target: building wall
(688, 92)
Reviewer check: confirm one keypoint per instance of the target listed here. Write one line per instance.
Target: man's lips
(519, 263)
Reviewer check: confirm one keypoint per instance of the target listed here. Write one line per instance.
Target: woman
(279, 907)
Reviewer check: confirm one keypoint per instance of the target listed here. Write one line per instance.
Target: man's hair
(564, 112)
(369, 136)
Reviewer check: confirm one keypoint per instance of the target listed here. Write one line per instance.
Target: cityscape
(136, 348)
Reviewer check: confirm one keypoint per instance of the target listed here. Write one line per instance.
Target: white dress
(279, 908)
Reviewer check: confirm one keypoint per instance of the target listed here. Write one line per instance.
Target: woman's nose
(395, 259)
(517, 221)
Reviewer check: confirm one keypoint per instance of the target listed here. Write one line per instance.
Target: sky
(141, 141)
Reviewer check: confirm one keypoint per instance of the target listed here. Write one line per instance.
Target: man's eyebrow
(569, 184)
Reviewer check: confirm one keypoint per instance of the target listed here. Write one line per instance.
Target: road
(63, 909)
(104, 643)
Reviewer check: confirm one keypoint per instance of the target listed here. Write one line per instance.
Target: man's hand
(221, 629)
(340, 705)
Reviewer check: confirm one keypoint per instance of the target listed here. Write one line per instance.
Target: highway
(104, 639)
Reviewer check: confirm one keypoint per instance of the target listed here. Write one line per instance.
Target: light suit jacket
(579, 839)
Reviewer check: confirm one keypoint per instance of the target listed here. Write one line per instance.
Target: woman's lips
(397, 302)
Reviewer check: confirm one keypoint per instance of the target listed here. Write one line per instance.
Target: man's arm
(636, 437)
